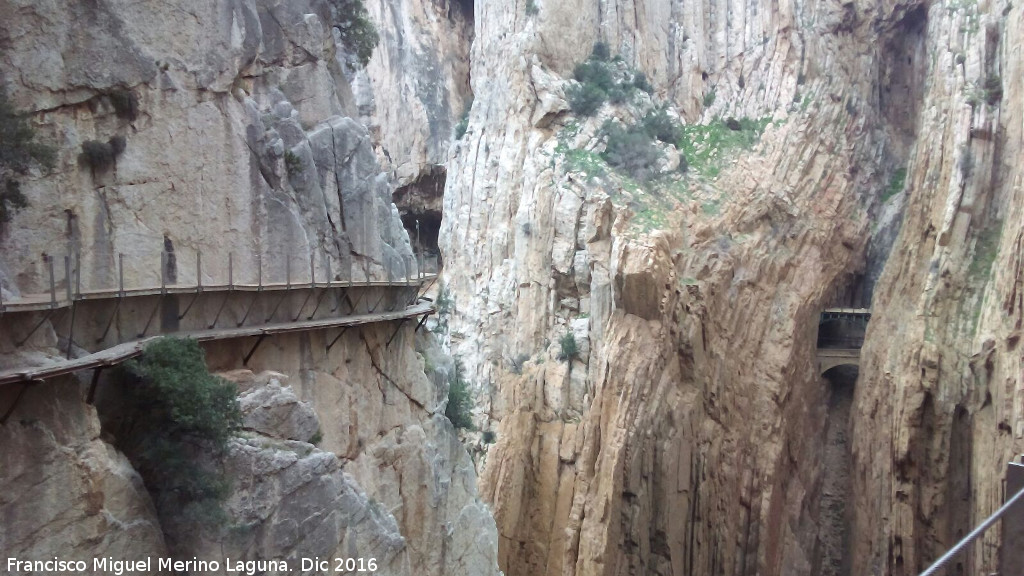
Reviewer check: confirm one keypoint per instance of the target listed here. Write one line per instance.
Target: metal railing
(57, 280)
(975, 534)
(841, 342)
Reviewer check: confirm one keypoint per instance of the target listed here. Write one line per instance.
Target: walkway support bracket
(421, 322)
(42, 321)
(17, 399)
(91, 398)
(395, 333)
(248, 309)
(152, 315)
(259, 340)
(336, 338)
(117, 307)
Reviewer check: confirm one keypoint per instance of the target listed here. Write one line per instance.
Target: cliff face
(688, 434)
(242, 141)
(938, 407)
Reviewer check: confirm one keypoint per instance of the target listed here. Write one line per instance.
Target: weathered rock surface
(416, 85)
(244, 146)
(64, 491)
(689, 439)
(241, 130)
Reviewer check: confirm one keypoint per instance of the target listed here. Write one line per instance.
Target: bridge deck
(38, 302)
(856, 311)
(122, 352)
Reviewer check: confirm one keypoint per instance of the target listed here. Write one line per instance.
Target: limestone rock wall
(938, 405)
(244, 142)
(686, 436)
(242, 129)
(416, 86)
(66, 491)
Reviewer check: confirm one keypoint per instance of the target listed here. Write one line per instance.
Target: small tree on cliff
(175, 413)
(18, 153)
(357, 32)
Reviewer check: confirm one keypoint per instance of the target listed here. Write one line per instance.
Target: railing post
(312, 271)
(67, 276)
(199, 270)
(53, 288)
(288, 271)
(120, 274)
(259, 267)
(329, 277)
(231, 271)
(163, 272)
(78, 275)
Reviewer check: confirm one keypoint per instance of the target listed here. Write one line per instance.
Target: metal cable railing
(970, 538)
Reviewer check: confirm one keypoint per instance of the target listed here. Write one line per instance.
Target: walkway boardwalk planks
(122, 352)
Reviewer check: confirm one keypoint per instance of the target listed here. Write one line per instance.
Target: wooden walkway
(53, 300)
(122, 352)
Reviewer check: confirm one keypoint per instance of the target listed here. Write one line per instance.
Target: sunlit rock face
(688, 434)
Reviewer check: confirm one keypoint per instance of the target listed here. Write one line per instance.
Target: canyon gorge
(534, 288)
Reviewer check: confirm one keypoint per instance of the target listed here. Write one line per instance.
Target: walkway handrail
(967, 540)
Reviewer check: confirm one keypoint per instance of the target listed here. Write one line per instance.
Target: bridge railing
(841, 342)
(56, 278)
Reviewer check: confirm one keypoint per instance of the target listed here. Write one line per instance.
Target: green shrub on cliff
(460, 402)
(568, 349)
(176, 412)
(357, 32)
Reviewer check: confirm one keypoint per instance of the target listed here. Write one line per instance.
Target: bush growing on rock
(601, 52)
(292, 162)
(460, 403)
(175, 412)
(100, 156)
(631, 150)
(601, 79)
(641, 83)
(568, 349)
(660, 126)
(358, 34)
(125, 103)
(18, 153)
(586, 99)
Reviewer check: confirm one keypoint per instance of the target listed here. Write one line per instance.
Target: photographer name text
(118, 567)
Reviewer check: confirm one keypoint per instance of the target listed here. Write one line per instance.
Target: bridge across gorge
(841, 346)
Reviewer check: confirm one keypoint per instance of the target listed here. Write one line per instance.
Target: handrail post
(231, 271)
(120, 274)
(67, 276)
(199, 270)
(53, 287)
(163, 273)
(288, 271)
(312, 270)
(78, 275)
(259, 267)
(329, 277)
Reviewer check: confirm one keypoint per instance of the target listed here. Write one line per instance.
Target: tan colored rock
(65, 491)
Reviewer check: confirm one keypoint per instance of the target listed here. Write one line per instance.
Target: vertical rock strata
(686, 436)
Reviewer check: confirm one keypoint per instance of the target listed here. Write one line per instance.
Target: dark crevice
(832, 556)
(419, 204)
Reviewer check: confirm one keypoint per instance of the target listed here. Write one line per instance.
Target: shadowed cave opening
(419, 204)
